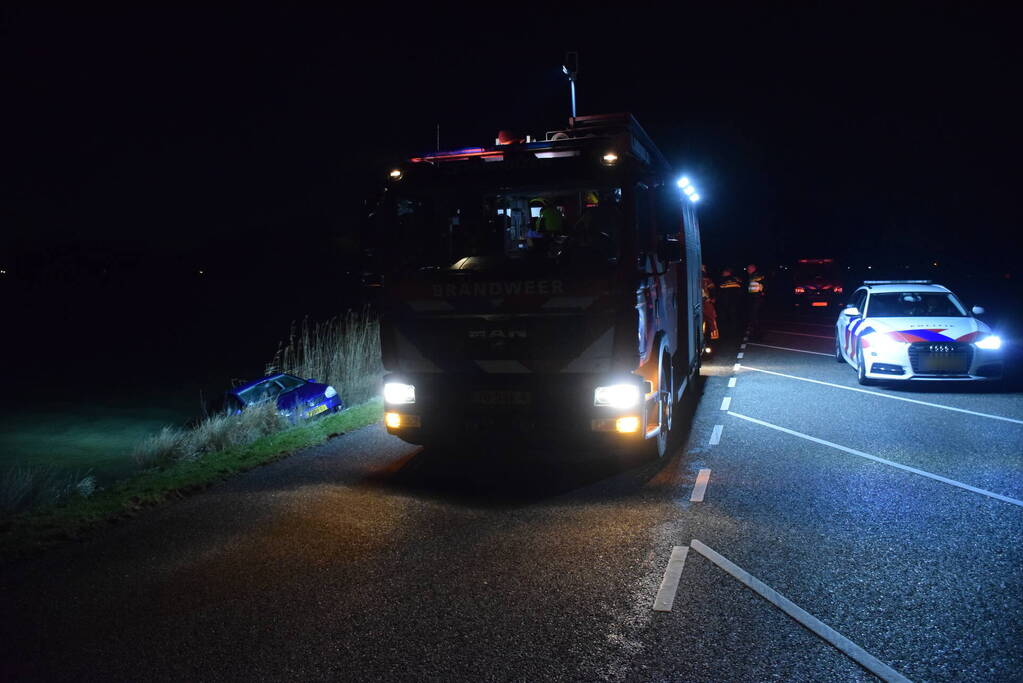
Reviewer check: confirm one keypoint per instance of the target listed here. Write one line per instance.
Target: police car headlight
(991, 343)
(396, 392)
(882, 343)
(618, 396)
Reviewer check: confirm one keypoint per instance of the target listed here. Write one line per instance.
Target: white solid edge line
(894, 398)
(726, 402)
(785, 348)
(801, 334)
(669, 584)
(702, 479)
(731, 382)
(794, 322)
(883, 461)
(715, 435)
(818, 627)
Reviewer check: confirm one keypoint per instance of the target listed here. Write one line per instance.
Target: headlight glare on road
(991, 343)
(398, 393)
(618, 396)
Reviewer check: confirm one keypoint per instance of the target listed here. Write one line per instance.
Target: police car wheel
(838, 351)
(861, 369)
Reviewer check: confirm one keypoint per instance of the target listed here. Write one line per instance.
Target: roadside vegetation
(39, 506)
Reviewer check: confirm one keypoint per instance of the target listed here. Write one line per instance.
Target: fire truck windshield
(576, 228)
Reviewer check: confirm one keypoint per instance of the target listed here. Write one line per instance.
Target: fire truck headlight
(618, 396)
(398, 393)
(610, 159)
(395, 174)
(991, 343)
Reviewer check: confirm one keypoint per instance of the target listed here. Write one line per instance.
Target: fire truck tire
(658, 446)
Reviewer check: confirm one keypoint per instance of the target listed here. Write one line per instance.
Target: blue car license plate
(316, 411)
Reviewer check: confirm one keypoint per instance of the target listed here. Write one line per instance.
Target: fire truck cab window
(571, 225)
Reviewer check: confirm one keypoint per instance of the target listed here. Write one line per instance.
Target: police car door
(846, 322)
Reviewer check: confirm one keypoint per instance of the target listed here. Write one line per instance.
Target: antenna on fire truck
(571, 69)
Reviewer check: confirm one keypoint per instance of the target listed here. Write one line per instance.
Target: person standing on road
(709, 310)
(729, 300)
(754, 297)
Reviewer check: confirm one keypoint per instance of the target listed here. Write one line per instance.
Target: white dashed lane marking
(726, 402)
(785, 348)
(883, 461)
(735, 368)
(731, 382)
(894, 398)
(669, 584)
(742, 346)
(801, 334)
(715, 436)
(741, 354)
(702, 479)
(815, 625)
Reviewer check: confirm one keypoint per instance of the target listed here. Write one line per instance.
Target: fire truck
(539, 290)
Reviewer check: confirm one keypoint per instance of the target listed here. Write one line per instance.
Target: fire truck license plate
(501, 398)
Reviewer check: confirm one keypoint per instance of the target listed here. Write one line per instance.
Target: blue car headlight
(992, 342)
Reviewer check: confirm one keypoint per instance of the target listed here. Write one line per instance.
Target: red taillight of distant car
(837, 290)
(818, 303)
(800, 290)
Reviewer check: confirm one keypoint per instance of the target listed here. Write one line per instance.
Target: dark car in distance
(816, 284)
(295, 397)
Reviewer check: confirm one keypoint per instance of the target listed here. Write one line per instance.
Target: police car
(914, 330)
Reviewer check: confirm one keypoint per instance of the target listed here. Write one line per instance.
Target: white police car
(914, 330)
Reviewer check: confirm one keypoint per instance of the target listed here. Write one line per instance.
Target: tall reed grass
(343, 352)
(22, 488)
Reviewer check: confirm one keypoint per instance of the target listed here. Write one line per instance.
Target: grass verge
(39, 528)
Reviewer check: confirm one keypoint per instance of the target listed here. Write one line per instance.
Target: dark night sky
(805, 127)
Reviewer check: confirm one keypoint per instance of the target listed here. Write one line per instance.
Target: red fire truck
(540, 290)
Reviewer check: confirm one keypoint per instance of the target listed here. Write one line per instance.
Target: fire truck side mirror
(669, 250)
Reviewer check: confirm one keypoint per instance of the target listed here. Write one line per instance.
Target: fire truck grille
(940, 358)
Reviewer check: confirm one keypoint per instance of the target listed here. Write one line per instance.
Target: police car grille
(941, 358)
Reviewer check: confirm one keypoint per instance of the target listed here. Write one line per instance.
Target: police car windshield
(481, 229)
(913, 305)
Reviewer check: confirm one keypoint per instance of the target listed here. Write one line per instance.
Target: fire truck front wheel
(657, 446)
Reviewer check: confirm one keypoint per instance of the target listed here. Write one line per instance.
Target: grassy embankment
(41, 508)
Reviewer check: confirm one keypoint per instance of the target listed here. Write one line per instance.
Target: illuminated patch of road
(669, 584)
(702, 479)
(786, 348)
(894, 398)
(815, 625)
(883, 461)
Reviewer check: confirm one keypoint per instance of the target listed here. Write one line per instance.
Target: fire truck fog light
(627, 425)
(618, 396)
(396, 420)
(398, 393)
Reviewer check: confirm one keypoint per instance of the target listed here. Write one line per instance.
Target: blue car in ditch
(295, 397)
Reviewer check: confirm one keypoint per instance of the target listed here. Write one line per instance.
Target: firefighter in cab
(754, 297)
(729, 300)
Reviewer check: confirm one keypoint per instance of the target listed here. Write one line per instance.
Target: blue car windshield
(269, 390)
(914, 305)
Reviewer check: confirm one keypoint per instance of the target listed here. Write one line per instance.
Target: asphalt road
(367, 558)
